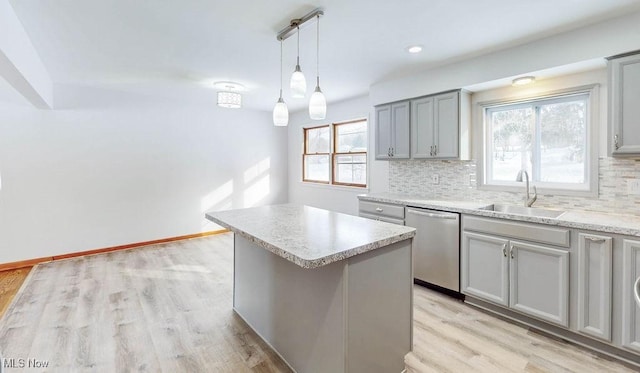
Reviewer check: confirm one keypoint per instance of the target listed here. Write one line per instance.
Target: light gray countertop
(610, 223)
(307, 236)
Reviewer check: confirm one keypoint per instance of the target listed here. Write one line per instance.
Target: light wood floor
(168, 308)
(450, 336)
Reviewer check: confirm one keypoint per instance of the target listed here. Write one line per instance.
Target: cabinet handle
(435, 150)
(511, 252)
(431, 151)
(636, 291)
(504, 250)
(389, 152)
(393, 151)
(615, 142)
(378, 209)
(595, 239)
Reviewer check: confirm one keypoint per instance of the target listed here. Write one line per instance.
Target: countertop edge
(561, 221)
(317, 262)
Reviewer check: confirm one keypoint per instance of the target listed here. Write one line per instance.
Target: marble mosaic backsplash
(458, 181)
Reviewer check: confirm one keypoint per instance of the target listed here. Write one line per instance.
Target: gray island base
(328, 292)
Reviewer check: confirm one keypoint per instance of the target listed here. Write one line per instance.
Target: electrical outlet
(633, 186)
(435, 179)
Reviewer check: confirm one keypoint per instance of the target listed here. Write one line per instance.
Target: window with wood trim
(336, 154)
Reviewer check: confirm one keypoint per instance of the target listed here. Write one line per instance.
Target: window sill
(335, 187)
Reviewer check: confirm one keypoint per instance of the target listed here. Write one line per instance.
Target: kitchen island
(329, 292)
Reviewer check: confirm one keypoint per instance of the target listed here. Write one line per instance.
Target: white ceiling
(177, 49)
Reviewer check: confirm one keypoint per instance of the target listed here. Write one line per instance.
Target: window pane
(512, 136)
(316, 167)
(351, 169)
(563, 137)
(351, 137)
(318, 140)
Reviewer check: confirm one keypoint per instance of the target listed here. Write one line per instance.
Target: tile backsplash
(458, 181)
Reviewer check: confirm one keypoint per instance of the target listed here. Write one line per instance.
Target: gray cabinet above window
(624, 108)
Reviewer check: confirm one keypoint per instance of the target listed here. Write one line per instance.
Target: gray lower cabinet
(527, 277)
(539, 281)
(387, 212)
(485, 267)
(594, 280)
(630, 310)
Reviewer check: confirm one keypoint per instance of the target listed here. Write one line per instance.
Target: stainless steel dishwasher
(436, 247)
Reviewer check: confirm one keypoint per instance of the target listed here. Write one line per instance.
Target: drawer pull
(636, 291)
(595, 239)
(378, 209)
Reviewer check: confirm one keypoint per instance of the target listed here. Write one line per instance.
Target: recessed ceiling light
(229, 86)
(523, 80)
(414, 49)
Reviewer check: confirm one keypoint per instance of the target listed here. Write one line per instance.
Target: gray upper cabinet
(624, 110)
(392, 131)
(435, 126)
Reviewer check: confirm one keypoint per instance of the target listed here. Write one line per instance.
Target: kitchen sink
(521, 210)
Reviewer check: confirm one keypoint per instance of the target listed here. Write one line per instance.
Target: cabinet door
(630, 310)
(422, 121)
(624, 95)
(485, 267)
(400, 144)
(594, 285)
(446, 125)
(383, 132)
(539, 282)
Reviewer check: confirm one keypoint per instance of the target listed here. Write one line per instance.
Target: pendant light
(317, 104)
(298, 82)
(280, 111)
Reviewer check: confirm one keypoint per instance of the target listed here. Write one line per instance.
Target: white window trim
(592, 142)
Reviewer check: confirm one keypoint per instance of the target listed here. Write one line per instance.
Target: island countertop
(307, 236)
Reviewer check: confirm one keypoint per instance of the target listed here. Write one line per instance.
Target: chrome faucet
(527, 201)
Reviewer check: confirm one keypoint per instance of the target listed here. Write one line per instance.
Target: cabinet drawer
(382, 209)
(530, 232)
(382, 218)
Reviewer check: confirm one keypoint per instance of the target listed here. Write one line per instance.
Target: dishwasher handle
(433, 214)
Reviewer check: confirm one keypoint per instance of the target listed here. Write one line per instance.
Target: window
(336, 154)
(548, 137)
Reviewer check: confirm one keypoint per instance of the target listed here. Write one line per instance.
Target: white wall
(604, 39)
(112, 168)
(336, 198)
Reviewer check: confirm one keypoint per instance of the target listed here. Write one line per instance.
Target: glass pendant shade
(317, 105)
(280, 113)
(298, 83)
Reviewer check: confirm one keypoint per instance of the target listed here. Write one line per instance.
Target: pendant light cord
(318, 51)
(298, 57)
(280, 70)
